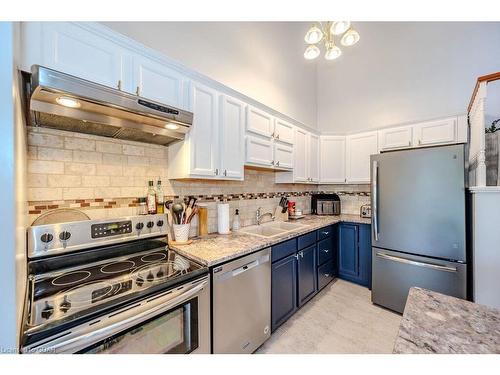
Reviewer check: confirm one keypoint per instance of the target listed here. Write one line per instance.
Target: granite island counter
(216, 248)
(438, 324)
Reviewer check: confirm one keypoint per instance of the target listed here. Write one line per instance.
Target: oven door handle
(97, 330)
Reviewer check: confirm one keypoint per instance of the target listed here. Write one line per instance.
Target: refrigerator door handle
(415, 263)
(375, 198)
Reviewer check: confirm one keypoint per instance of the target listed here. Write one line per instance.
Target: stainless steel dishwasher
(242, 303)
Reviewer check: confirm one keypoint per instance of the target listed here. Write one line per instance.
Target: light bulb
(350, 38)
(68, 102)
(333, 52)
(172, 126)
(311, 52)
(313, 35)
(339, 27)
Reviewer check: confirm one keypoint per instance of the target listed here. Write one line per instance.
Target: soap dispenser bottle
(236, 220)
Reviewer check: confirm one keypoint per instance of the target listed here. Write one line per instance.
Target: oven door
(176, 321)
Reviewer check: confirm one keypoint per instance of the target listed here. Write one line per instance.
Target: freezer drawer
(242, 303)
(395, 273)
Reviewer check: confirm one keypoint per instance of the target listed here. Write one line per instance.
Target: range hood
(62, 101)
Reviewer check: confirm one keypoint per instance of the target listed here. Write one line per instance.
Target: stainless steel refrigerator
(418, 223)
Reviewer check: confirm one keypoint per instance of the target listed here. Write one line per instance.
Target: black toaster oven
(325, 204)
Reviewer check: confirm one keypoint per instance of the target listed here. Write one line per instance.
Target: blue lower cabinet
(354, 253)
(307, 276)
(283, 290)
(325, 274)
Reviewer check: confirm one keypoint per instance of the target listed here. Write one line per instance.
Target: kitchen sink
(271, 229)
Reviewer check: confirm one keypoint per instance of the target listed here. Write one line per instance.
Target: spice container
(142, 208)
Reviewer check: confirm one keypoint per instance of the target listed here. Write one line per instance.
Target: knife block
(279, 216)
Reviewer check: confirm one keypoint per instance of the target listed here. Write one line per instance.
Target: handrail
(487, 78)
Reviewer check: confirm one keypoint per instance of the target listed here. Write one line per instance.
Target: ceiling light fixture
(325, 32)
(68, 102)
(172, 126)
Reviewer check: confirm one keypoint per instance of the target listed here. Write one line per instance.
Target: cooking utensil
(194, 211)
(178, 209)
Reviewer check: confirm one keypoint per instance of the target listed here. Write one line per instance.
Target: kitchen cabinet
(306, 275)
(435, 132)
(283, 155)
(283, 131)
(259, 122)
(155, 81)
(300, 156)
(283, 290)
(326, 256)
(332, 159)
(259, 151)
(213, 148)
(395, 138)
(354, 253)
(313, 158)
(358, 150)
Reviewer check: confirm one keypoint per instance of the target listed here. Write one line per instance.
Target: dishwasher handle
(246, 267)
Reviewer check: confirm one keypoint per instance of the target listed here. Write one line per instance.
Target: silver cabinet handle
(273, 136)
(326, 250)
(272, 162)
(375, 198)
(278, 163)
(119, 85)
(277, 136)
(301, 254)
(325, 233)
(416, 263)
(296, 256)
(419, 141)
(327, 275)
(216, 171)
(409, 143)
(225, 172)
(138, 91)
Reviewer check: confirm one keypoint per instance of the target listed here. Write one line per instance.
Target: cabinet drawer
(325, 275)
(325, 250)
(283, 249)
(325, 232)
(306, 240)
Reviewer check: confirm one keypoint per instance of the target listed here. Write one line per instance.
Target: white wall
(402, 72)
(262, 60)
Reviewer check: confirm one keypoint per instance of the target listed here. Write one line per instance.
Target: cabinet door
(283, 290)
(232, 137)
(72, 49)
(203, 136)
(359, 148)
(158, 82)
(259, 151)
(435, 132)
(259, 122)
(365, 255)
(332, 159)
(300, 156)
(283, 131)
(313, 157)
(307, 274)
(395, 138)
(283, 155)
(348, 263)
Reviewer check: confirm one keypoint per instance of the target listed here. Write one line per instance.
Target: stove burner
(118, 266)
(71, 278)
(156, 257)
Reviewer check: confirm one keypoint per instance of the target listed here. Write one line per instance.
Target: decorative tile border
(39, 207)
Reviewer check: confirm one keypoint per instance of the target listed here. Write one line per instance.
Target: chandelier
(326, 32)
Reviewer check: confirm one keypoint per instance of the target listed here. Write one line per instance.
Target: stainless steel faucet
(259, 215)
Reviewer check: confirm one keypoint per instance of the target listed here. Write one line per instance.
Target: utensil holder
(181, 232)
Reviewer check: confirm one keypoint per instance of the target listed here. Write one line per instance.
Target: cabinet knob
(225, 172)
(119, 85)
(138, 91)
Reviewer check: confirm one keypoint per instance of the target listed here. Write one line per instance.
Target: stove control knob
(46, 237)
(150, 224)
(150, 277)
(159, 223)
(139, 281)
(47, 311)
(64, 236)
(65, 305)
(139, 226)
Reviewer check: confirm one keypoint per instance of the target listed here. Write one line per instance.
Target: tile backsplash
(104, 177)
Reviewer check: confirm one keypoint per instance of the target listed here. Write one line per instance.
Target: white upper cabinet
(313, 158)
(203, 135)
(72, 49)
(358, 150)
(435, 132)
(232, 136)
(259, 122)
(283, 131)
(158, 82)
(283, 156)
(259, 151)
(300, 164)
(395, 138)
(332, 159)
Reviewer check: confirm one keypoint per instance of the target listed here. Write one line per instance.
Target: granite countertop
(439, 324)
(218, 248)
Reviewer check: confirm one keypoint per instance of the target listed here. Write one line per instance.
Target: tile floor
(340, 319)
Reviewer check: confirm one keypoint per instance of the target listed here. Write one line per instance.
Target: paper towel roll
(223, 218)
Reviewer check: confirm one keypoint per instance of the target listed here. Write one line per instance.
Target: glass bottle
(142, 208)
(151, 198)
(160, 198)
